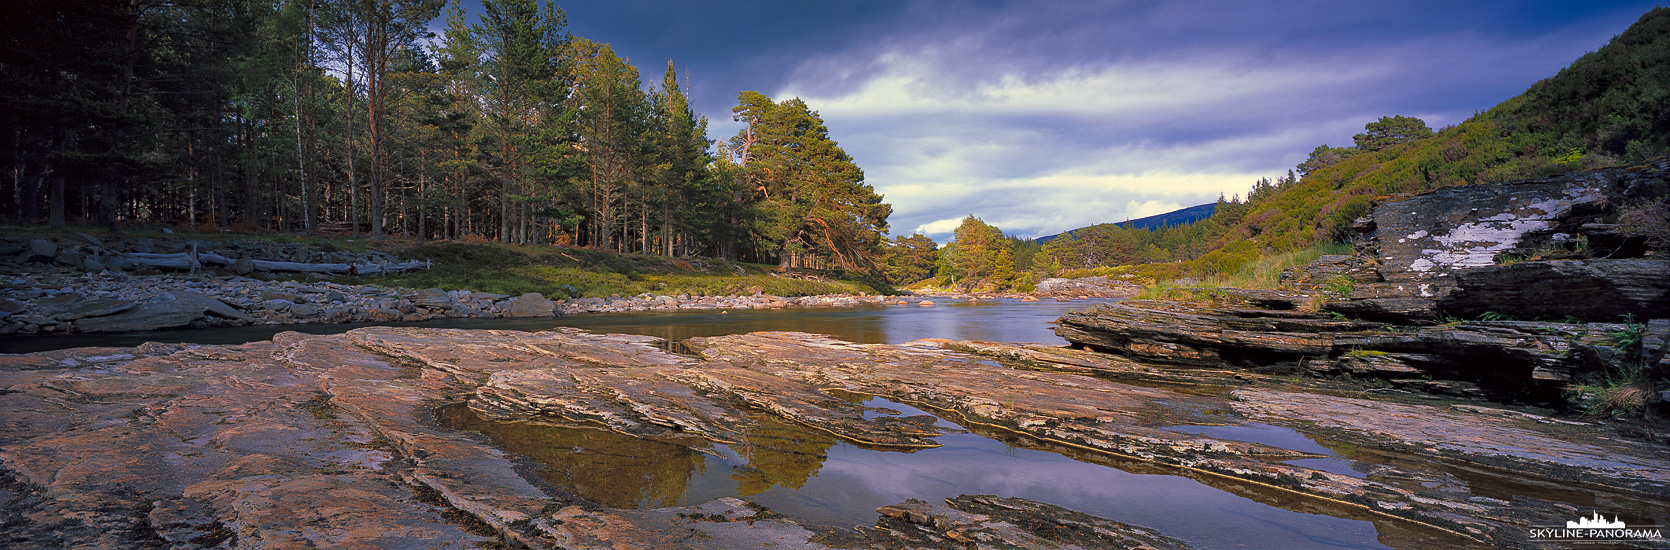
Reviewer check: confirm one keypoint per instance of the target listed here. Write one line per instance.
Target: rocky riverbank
(308, 441)
(51, 302)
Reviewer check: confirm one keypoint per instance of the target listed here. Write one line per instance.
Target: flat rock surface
(331, 441)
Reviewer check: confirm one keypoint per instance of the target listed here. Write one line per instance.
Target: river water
(1004, 320)
(819, 480)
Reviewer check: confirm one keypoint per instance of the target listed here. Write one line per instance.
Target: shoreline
(47, 303)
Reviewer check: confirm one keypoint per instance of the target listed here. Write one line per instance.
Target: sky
(1041, 116)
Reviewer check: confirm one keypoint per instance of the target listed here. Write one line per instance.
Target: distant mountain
(1176, 217)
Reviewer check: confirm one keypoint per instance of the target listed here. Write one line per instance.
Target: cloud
(1044, 117)
(939, 227)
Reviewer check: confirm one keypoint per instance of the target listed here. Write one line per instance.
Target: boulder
(39, 250)
(1085, 286)
(146, 316)
(532, 304)
(176, 309)
(90, 308)
(434, 298)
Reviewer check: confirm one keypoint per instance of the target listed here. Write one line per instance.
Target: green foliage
(333, 117)
(1390, 132)
(911, 259)
(814, 208)
(1495, 316)
(1615, 392)
(1339, 286)
(1628, 338)
(978, 257)
(559, 272)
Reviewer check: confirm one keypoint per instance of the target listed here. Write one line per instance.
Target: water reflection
(599, 465)
(819, 480)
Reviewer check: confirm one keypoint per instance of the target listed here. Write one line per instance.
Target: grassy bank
(566, 272)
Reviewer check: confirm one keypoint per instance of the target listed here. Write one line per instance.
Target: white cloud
(1133, 91)
(940, 227)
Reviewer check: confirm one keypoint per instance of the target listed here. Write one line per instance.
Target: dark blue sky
(1040, 116)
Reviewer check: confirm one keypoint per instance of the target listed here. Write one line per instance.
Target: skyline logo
(1597, 529)
(1596, 522)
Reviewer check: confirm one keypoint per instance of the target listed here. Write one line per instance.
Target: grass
(1627, 391)
(565, 272)
(1263, 272)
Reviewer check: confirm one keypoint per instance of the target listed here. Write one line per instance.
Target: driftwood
(186, 261)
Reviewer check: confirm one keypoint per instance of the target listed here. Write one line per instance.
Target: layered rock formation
(309, 441)
(1516, 286)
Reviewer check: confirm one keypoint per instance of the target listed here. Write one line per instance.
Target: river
(1003, 320)
(819, 480)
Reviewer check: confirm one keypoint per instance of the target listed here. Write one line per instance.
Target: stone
(145, 316)
(1019, 523)
(309, 441)
(434, 298)
(532, 304)
(40, 250)
(1506, 354)
(69, 256)
(1085, 286)
(1464, 436)
(91, 308)
(208, 304)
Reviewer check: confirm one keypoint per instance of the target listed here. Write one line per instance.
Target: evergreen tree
(812, 199)
(1390, 132)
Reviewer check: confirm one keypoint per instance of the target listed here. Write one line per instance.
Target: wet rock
(321, 440)
(982, 520)
(1479, 436)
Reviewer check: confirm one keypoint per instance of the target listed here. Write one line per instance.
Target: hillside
(1610, 107)
(1183, 216)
